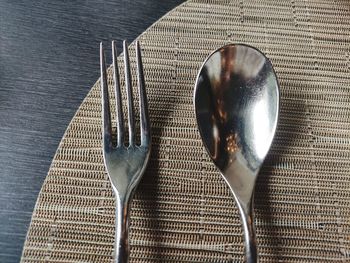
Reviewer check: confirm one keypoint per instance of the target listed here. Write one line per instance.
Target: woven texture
(183, 211)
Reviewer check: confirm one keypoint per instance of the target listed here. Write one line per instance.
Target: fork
(125, 164)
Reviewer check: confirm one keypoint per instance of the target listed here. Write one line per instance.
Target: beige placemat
(183, 211)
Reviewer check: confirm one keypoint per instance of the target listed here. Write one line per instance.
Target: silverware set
(236, 100)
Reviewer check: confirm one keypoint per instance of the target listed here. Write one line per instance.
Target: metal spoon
(237, 103)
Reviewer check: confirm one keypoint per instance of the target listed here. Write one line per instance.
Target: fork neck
(122, 226)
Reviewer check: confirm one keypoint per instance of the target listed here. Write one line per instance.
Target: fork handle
(121, 245)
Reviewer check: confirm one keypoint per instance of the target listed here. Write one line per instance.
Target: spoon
(236, 103)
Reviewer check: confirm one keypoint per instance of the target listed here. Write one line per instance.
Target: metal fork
(125, 165)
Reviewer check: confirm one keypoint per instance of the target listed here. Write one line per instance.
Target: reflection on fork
(125, 164)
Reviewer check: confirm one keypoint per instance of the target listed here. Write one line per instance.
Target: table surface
(49, 60)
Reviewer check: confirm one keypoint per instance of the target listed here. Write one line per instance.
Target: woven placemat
(183, 211)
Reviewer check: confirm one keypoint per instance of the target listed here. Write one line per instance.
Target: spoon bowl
(236, 103)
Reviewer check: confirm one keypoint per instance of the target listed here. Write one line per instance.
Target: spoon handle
(247, 215)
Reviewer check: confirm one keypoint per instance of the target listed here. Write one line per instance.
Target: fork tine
(118, 98)
(106, 114)
(129, 95)
(144, 119)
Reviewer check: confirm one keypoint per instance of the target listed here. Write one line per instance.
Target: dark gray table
(48, 62)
